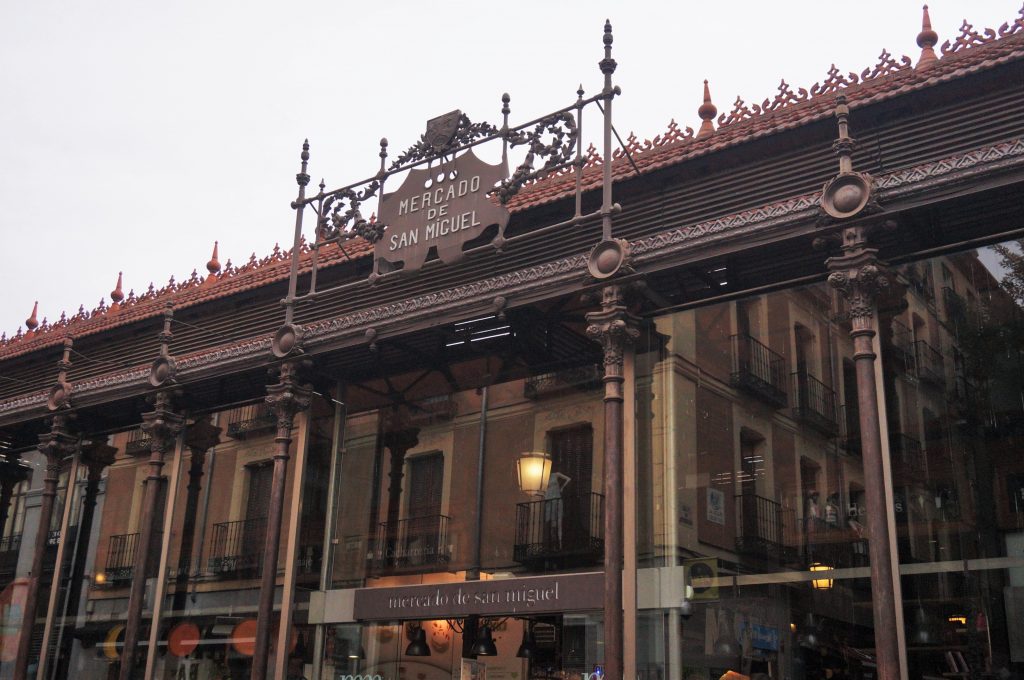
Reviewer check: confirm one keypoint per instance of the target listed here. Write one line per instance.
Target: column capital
(163, 424)
(96, 455)
(289, 396)
(613, 326)
(202, 435)
(59, 441)
(858, 275)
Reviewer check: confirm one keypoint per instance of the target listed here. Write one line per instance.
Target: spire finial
(607, 64)
(213, 266)
(302, 178)
(117, 295)
(707, 113)
(32, 322)
(927, 40)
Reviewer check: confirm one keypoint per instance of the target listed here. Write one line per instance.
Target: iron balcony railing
(432, 410)
(815, 403)
(410, 545)
(758, 370)
(236, 548)
(577, 378)
(848, 436)
(928, 361)
(560, 532)
(907, 456)
(765, 528)
(138, 442)
(122, 552)
(250, 421)
(834, 543)
(9, 548)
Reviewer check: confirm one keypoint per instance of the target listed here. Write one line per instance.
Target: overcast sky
(134, 133)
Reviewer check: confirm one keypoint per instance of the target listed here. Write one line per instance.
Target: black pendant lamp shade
(526, 649)
(484, 645)
(418, 646)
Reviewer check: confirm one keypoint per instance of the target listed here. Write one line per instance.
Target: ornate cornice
(661, 248)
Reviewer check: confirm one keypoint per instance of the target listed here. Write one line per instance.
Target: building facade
(761, 414)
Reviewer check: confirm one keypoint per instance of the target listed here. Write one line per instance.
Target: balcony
(815, 403)
(138, 442)
(908, 461)
(236, 549)
(901, 348)
(561, 532)
(928, 362)
(848, 436)
(121, 554)
(410, 545)
(577, 378)
(758, 370)
(9, 547)
(834, 544)
(433, 410)
(250, 421)
(764, 529)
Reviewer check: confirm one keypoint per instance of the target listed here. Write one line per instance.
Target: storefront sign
(764, 637)
(441, 207)
(537, 594)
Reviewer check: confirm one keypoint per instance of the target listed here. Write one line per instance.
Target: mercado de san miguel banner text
(537, 594)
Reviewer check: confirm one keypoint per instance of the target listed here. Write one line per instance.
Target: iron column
(859, 278)
(163, 425)
(286, 398)
(615, 329)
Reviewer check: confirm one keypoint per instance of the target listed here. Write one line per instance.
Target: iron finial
(505, 99)
(213, 266)
(32, 322)
(302, 178)
(580, 91)
(383, 153)
(926, 40)
(707, 112)
(117, 295)
(607, 64)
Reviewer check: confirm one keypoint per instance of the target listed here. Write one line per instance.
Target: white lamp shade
(534, 468)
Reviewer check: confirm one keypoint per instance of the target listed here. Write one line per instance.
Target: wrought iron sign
(450, 203)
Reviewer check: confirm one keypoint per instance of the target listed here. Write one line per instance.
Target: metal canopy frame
(555, 138)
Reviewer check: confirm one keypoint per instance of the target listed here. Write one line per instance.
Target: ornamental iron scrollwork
(552, 138)
(436, 141)
(340, 217)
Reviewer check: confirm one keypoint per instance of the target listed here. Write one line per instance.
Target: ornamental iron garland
(438, 218)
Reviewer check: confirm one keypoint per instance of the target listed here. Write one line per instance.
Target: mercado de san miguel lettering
(745, 400)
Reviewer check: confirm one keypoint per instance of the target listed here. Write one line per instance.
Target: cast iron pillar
(616, 329)
(200, 437)
(56, 445)
(286, 399)
(96, 456)
(163, 425)
(859, 277)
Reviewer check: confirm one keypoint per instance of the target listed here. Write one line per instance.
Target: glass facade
(752, 514)
(465, 486)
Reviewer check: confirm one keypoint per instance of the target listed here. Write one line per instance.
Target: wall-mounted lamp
(534, 468)
(821, 583)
